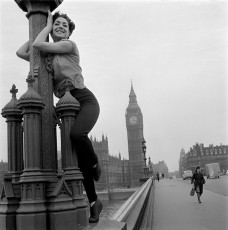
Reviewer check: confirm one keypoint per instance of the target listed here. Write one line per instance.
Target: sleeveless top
(65, 68)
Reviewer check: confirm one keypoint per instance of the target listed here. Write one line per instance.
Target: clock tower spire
(134, 124)
(132, 99)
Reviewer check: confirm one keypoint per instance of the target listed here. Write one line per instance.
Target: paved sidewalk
(175, 209)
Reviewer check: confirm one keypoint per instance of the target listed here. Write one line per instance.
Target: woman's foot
(97, 172)
(95, 211)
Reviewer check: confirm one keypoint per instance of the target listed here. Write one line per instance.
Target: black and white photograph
(114, 114)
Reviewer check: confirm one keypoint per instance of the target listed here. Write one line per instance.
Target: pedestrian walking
(157, 176)
(198, 181)
(163, 175)
(62, 59)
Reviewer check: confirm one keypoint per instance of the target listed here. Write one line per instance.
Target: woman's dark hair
(71, 24)
(197, 167)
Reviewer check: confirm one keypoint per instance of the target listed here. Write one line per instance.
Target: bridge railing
(131, 213)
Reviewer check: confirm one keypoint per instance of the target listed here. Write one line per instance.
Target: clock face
(133, 120)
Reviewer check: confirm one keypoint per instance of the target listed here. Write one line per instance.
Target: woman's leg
(83, 124)
(201, 189)
(198, 196)
(198, 193)
(87, 157)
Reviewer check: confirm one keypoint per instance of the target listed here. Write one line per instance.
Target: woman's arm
(41, 40)
(57, 47)
(193, 178)
(203, 179)
(42, 36)
(23, 51)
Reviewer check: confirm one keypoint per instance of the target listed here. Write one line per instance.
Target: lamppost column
(144, 152)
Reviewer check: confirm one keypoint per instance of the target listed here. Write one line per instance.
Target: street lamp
(150, 167)
(146, 169)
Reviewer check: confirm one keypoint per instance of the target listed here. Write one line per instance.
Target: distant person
(62, 59)
(157, 176)
(163, 176)
(198, 181)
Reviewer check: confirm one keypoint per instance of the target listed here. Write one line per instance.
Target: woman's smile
(60, 31)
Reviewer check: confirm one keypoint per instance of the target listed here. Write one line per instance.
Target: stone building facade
(200, 155)
(161, 167)
(115, 170)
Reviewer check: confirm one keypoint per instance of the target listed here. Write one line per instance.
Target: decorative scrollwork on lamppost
(146, 169)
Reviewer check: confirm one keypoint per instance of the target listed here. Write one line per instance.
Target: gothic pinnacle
(13, 91)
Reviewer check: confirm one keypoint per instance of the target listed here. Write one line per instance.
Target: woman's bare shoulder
(72, 43)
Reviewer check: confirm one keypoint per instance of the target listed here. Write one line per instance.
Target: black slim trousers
(199, 189)
(84, 122)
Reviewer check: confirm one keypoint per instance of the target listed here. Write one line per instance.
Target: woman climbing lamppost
(62, 57)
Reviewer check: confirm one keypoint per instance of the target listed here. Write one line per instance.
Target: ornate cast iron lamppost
(150, 167)
(146, 169)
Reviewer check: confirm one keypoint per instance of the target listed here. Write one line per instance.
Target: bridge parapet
(131, 214)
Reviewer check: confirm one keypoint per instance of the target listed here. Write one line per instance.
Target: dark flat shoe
(95, 211)
(97, 172)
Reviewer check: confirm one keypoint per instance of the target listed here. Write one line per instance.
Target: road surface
(219, 185)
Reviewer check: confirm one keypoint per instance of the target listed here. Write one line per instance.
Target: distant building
(200, 155)
(115, 171)
(181, 162)
(161, 167)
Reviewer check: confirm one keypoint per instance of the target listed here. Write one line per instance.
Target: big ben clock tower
(134, 123)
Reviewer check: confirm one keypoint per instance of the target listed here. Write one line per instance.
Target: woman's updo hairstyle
(197, 167)
(71, 24)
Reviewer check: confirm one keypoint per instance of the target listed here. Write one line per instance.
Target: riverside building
(200, 155)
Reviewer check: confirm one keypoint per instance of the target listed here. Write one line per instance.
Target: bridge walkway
(175, 209)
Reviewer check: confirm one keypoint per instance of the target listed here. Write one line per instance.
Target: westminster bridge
(36, 196)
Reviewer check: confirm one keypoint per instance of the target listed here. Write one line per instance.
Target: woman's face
(60, 29)
(198, 170)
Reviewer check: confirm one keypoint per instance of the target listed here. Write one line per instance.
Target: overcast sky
(175, 52)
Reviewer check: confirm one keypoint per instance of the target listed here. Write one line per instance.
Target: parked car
(187, 174)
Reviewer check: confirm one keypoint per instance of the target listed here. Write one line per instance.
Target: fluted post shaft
(67, 108)
(14, 136)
